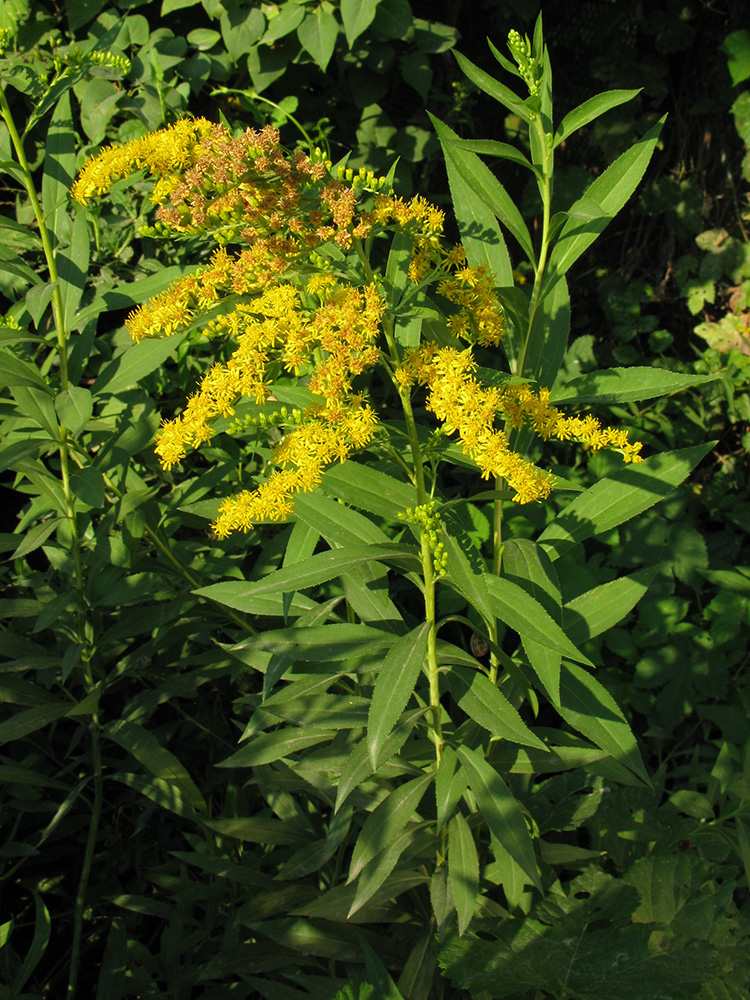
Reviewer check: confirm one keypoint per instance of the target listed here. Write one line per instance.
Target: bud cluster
(427, 517)
(531, 71)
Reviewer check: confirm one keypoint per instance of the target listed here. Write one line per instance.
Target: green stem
(428, 569)
(62, 348)
(88, 859)
(545, 191)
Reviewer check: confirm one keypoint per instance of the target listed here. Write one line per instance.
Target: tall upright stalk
(62, 334)
(64, 449)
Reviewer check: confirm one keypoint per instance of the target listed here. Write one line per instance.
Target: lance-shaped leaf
(586, 705)
(138, 361)
(487, 705)
(619, 497)
(162, 763)
(387, 821)
(480, 180)
(590, 110)
(490, 147)
(368, 489)
(463, 870)
(394, 685)
(480, 233)
(548, 337)
(521, 612)
(501, 812)
(317, 569)
(377, 870)
(494, 89)
(608, 194)
(320, 643)
(602, 607)
(268, 747)
(358, 766)
(625, 385)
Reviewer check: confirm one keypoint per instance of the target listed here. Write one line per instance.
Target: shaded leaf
(500, 810)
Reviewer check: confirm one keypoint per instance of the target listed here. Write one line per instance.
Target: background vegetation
(201, 880)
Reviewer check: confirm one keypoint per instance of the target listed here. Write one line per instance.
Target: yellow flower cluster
(329, 434)
(277, 326)
(467, 408)
(281, 303)
(480, 318)
(162, 153)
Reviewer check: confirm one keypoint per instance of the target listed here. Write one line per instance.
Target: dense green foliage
(218, 772)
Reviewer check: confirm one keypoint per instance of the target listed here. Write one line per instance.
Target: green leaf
(468, 575)
(608, 193)
(14, 371)
(34, 951)
(394, 686)
(159, 761)
(490, 147)
(74, 408)
(290, 16)
(549, 334)
(170, 6)
(73, 268)
(521, 612)
(393, 19)
(387, 821)
(494, 89)
(463, 870)
(268, 747)
(59, 172)
(376, 871)
(480, 233)
(88, 485)
(38, 405)
(338, 524)
(358, 765)
(527, 564)
(487, 705)
(602, 607)
(619, 497)
(37, 536)
(20, 236)
(417, 72)
(478, 179)
(135, 363)
(11, 263)
(501, 812)
(31, 720)
(586, 705)
(578, 963)
(203, 39)
(357, 16)
(317, 569)
(590, 110)
(320, 643)
(164, 793)
(317, 35)
(736, 47)
(334, 711)
(625, 385)
(397, 267)
(377, 974)
(368, 489)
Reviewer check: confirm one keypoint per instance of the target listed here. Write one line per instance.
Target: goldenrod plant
(371, 407)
